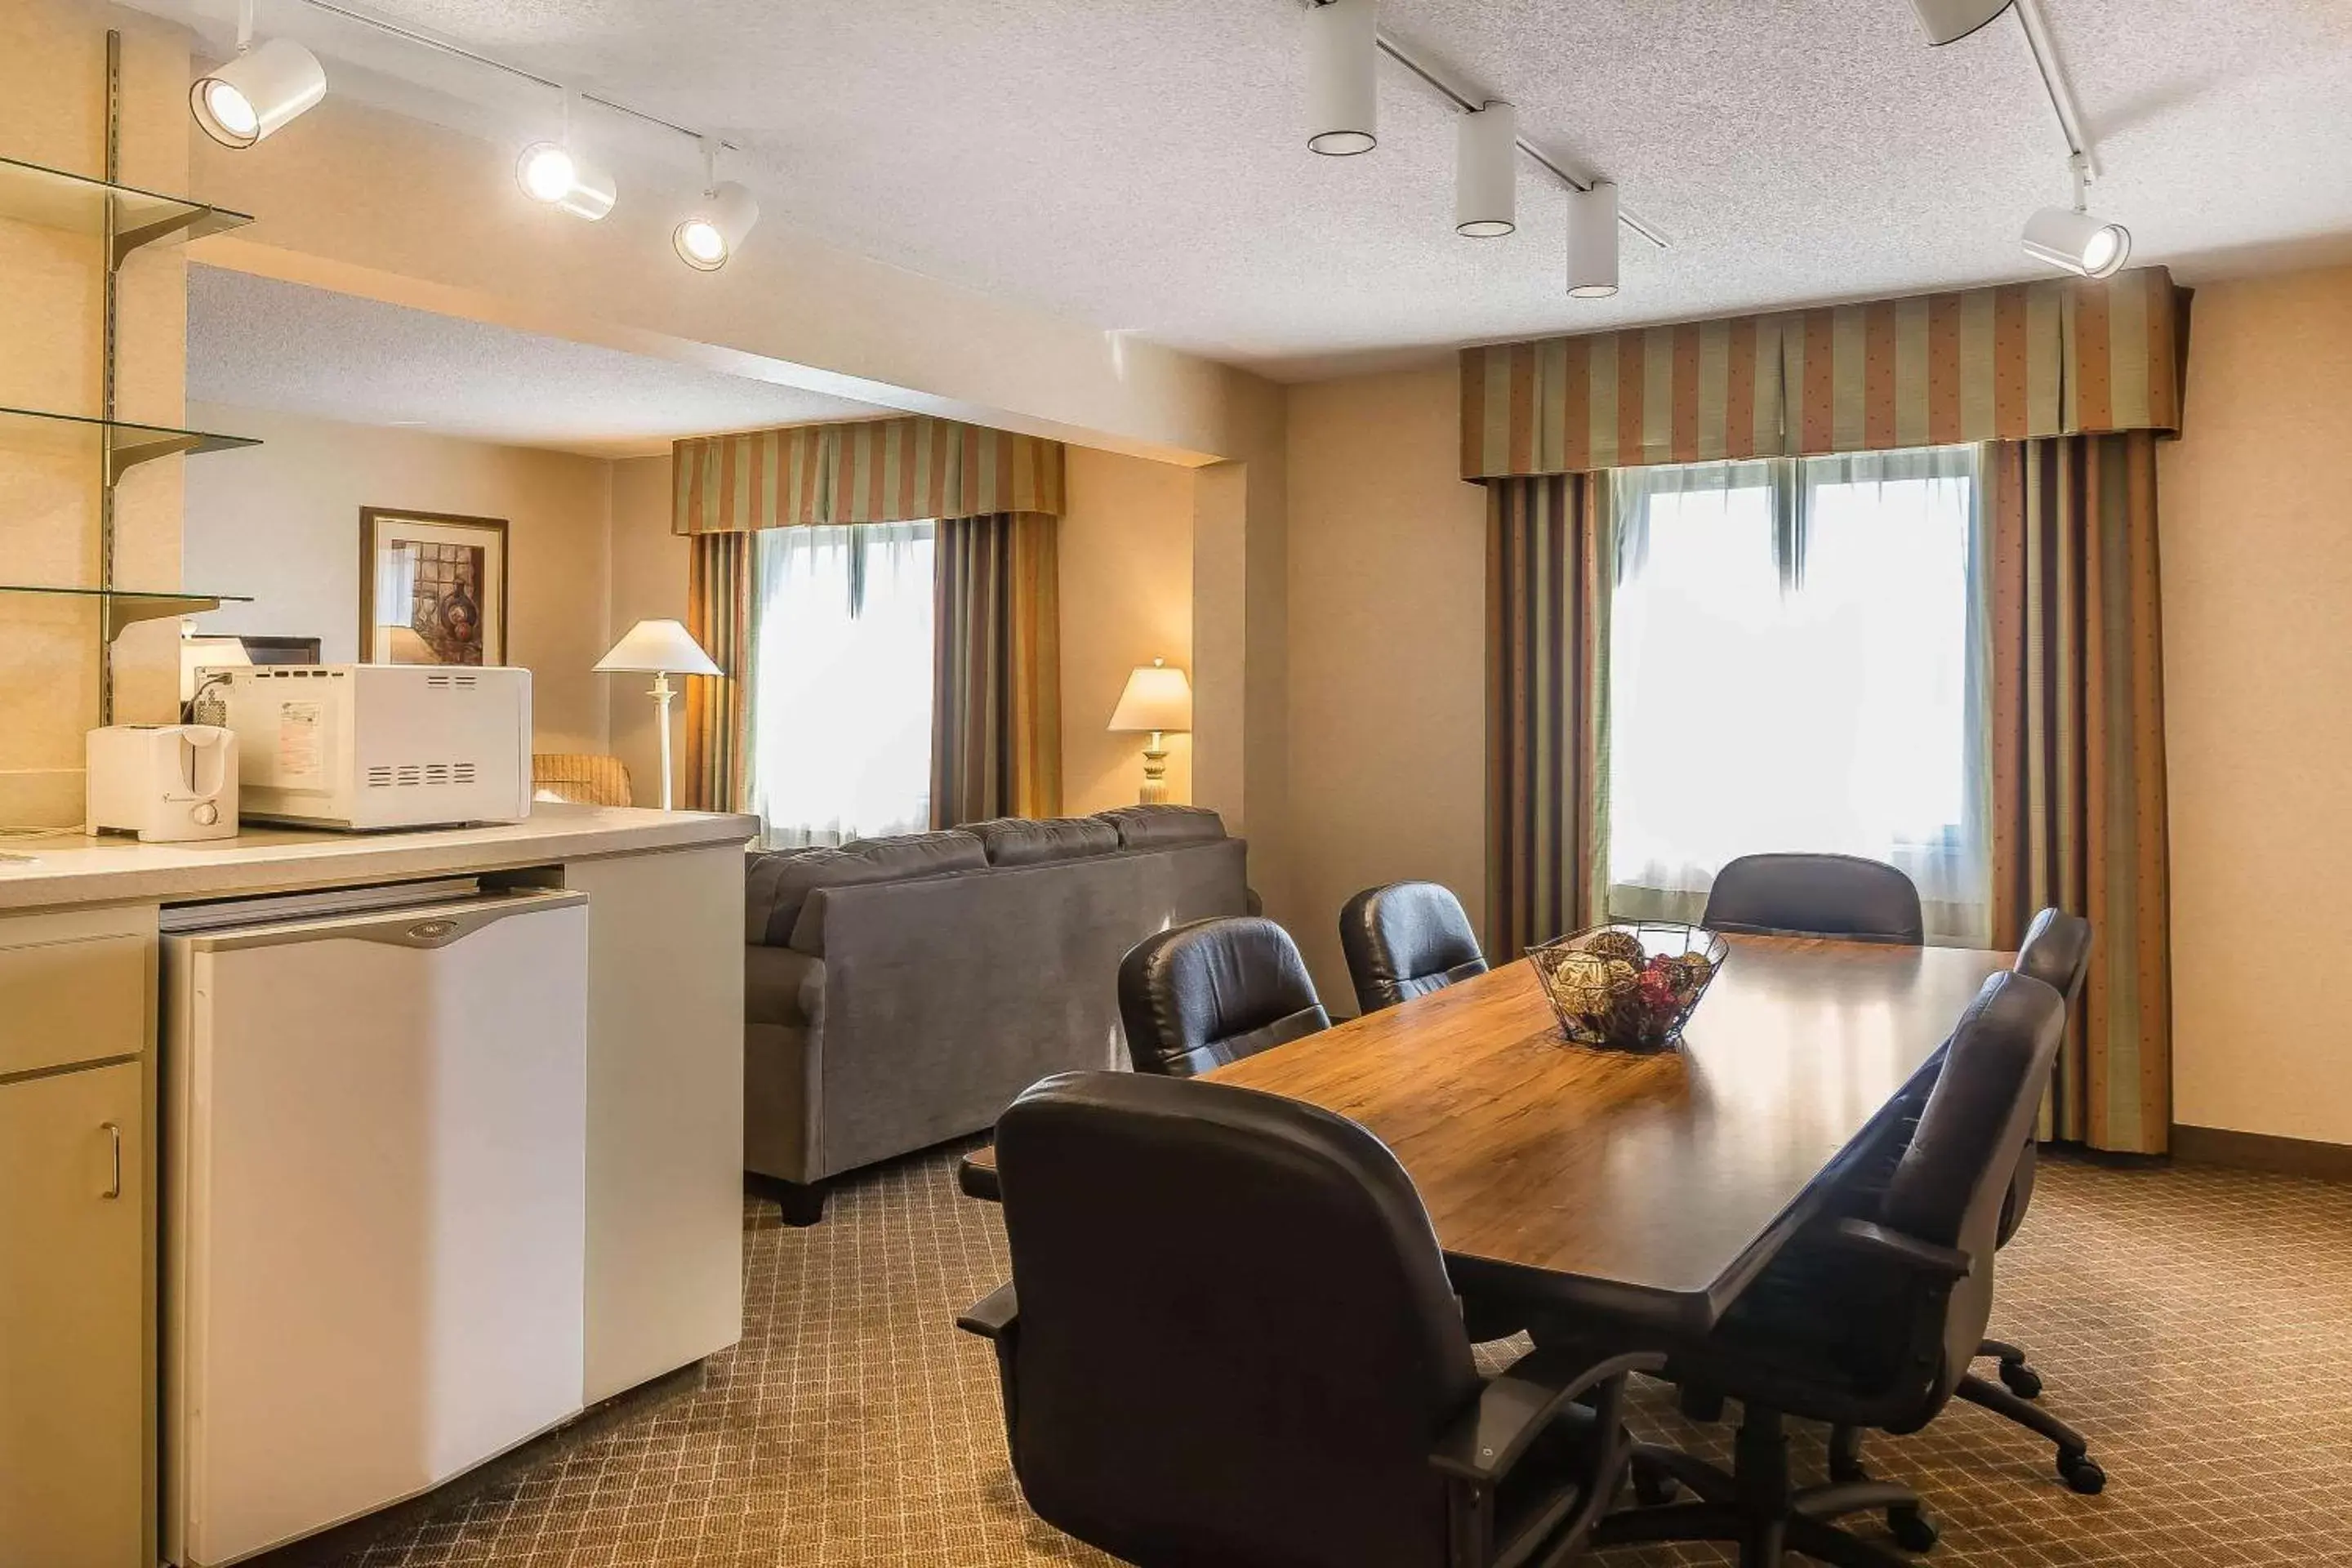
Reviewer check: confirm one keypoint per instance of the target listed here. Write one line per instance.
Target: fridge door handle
(113, 1131)
(431, 927)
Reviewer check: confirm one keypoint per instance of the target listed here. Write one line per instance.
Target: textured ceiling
(1141, 165)
(259, 343)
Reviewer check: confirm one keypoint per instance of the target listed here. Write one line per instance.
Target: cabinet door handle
(114, 1131)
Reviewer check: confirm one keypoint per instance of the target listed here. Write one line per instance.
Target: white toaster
(372, 746)
(165, 784)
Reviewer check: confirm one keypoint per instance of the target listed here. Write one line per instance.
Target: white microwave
(370, 746)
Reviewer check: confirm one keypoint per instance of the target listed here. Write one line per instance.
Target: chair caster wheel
(2023, 1380)
(2082, 1473)
(1655, 1488)
(1912, 1528)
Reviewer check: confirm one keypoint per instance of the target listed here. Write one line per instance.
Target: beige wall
(280, 521)
(1387, 681)
(2256, 525)
(53, 112)
(1125, 551)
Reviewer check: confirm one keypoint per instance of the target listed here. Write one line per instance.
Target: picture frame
(433, 587)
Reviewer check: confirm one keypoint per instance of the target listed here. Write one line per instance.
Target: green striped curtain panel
(2058, 356)
(1548, 579)
(906, 470)
(720, 613)
(2078, 762)
(996, 696)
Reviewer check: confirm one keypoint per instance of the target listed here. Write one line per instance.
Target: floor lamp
(661, 649)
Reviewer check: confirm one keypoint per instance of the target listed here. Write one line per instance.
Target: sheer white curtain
(1798, 661)
(841, 685)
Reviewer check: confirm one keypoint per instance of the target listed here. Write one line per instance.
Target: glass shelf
(79, 205)
(121, 607)
(126, 444)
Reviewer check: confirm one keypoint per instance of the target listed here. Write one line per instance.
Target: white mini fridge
(374, 1177)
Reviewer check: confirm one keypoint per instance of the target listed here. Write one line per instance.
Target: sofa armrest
(781, 987)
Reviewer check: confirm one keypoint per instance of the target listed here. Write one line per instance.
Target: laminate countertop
(53, 873)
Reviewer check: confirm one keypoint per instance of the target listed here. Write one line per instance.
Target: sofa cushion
(776, 886)
(1030, 841)
(1150, 826)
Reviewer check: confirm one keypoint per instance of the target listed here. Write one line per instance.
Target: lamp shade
(657, 648)
(1157, 697)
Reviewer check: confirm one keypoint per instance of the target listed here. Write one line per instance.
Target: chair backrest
(2056, 952)
(1406, 940)
(581, 777)
(1197, 996)
(1952, 1181)
(1236, 1341)
(1815, 895)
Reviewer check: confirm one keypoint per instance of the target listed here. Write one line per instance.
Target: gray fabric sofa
(900, 992)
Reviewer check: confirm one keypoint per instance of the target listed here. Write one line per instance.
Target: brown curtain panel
(1548, 560)
(996, 684)
(2078, 762)
(718, 611)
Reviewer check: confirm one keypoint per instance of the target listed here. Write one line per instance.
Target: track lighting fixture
(1342, 76)
(1948, 21)
(259, 90)
(710, 233)
(1486, 172)
(1593, 242)
(552, 173)
(2073, 240)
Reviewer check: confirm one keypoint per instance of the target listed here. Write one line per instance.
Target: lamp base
(1155, 773)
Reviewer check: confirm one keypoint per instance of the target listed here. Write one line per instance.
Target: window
(841, 683)
(1797, 658)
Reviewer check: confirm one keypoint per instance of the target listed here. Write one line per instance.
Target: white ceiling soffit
(257, 343)
(1142, 165)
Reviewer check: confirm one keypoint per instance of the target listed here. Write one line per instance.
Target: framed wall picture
(432, 588)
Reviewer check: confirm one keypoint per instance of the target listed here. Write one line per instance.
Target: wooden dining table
(1652, 1188)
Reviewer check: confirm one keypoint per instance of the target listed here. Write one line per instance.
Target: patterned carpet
(2196, 1323)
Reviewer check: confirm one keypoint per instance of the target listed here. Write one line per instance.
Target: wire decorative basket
(1628, 987)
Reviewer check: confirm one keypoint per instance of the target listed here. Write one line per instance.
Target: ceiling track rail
(426, 40)
(1469, 103)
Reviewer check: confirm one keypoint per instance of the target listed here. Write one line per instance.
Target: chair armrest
(979, 1181)
(1939, 1263)
(1519, 1402)
(994, 1316)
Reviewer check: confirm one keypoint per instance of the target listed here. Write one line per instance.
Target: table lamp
(1158, 700)
(661, 649)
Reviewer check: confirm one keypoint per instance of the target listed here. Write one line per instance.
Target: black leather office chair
(1868, 1321)
(1406, 940)
(1842, 896)
(2056, 952)
(1229, 1340)
(1197, 996)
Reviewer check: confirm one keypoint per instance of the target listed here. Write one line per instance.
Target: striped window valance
(2061, 356)
(870, 470)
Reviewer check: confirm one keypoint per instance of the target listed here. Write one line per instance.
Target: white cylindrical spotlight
(552, 173)
(1593, 242)
(1948, 21)
(711, 233)
(257, 92)
(2073, 239)
(1486, 172)
(1342, 76)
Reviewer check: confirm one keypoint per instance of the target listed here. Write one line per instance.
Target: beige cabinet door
(73, 1356)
